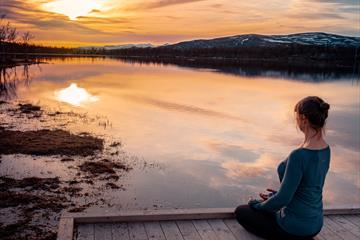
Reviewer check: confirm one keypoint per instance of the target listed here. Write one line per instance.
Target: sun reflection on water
(75, 95)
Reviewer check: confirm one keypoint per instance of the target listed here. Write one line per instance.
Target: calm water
(218, 137)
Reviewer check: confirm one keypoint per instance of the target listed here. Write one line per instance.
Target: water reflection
(220, 135)
(75, 95)
(271, 69)
(10, 77)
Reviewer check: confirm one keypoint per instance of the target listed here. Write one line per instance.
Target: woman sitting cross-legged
(295, 211)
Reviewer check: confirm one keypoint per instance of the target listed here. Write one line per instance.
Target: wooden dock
(188, 224)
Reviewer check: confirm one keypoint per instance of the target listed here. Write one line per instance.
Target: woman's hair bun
(324, 106)
(314, 109)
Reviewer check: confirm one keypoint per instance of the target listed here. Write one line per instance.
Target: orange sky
(101, 22)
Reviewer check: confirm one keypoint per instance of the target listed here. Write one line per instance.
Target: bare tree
(8, 33)
(2, 29)
(11, 33)
(2, 36)
(27, 37)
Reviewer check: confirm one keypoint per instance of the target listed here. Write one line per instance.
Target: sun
(73, 8)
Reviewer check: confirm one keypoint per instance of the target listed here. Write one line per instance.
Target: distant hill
(301, 50)
(114, 47)
(248, 40)
(256, 40)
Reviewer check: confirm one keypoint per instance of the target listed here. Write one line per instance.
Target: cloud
(181, 107)
(264, 166)
(95, 11)
(343, 128)
(316, 15)
(158, 4)
(217, 5)
(232, 151)
(102, 20)
(238, 170)
(343, 2)
(340, 191)
(30, 14)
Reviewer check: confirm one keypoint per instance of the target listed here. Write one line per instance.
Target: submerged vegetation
(48, 142)
(30, 206)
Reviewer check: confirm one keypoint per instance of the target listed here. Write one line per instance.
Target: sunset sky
(103, 22)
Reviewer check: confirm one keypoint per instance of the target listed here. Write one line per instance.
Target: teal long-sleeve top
(298, 202)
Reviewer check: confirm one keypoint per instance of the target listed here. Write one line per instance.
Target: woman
(296, 210)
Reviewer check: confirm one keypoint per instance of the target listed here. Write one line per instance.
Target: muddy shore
(48, 142)
(30, 207)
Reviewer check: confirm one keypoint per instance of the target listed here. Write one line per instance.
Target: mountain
(247, 40)
(115, 47)
(254, 40)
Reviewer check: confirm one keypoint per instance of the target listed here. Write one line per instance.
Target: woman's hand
(266, 196)
(254, 202)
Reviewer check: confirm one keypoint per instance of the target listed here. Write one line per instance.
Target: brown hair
(315, 110)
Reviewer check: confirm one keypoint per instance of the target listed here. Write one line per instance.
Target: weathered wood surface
(339, 227)
(188, 224)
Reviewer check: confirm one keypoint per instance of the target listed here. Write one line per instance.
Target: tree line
(276, 52)
(14, 41)
(11, 41)
(9, 35)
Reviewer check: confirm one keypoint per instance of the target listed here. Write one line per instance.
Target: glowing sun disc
(73, 8)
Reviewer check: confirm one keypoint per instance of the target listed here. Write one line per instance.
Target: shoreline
(303, 70)
(297, 61)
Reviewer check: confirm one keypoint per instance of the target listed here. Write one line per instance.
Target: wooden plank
(188, 230)
(120, 231)
(85, 232)
(342, 210)
(347, 224)
(355, 219)
(239, 231)
(152, 215)
(204, 229)
(174, 214)
(66, 229)
(221, 230)
(103, 231)
(327, 234)
(154, 231)
(171, 230)
(137, 231)
(323, 234)
(339, 230)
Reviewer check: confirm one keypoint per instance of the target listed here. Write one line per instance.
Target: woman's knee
(241, 212)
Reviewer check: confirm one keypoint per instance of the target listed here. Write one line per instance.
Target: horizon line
(189, 40)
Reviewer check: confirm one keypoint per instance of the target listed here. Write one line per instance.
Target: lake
(215, 137)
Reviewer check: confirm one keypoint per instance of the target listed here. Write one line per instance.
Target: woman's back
(303, 215)
(296, 209)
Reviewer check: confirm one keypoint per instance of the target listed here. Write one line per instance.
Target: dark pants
(262, 224)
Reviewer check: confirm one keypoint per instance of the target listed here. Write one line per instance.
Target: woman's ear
(304, 120)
